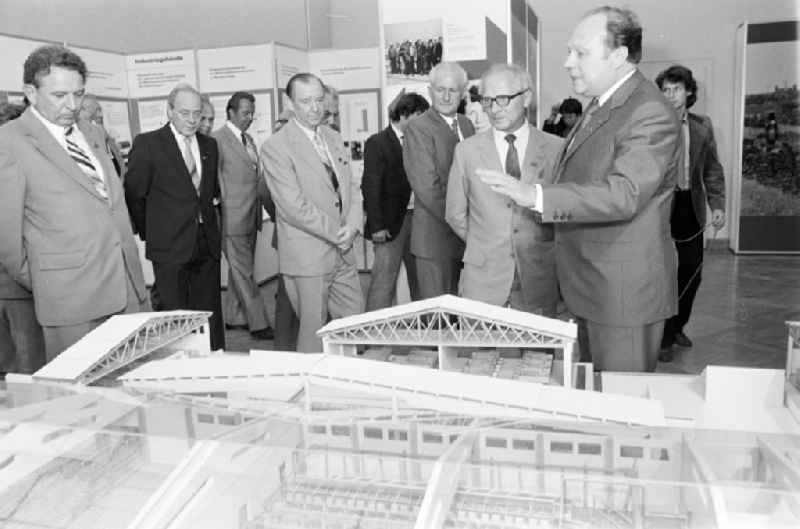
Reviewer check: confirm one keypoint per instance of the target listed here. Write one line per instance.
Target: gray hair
(517, 73)
(182, 87)
(448, 68)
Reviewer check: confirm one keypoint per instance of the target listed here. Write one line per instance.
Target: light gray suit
(243, 190)
(320, 278)
(503, 240)
(73, 248)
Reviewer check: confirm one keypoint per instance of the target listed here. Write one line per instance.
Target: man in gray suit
(318, 213)
(612, 198)
(509, 257)
(429, 142)
(66, 230)
(21, 340)
(244, 193)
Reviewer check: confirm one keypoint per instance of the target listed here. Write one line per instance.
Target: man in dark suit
(427, 154)
(172, 191)
(700, 180)
(66, 234)
(244, 193)
(612, 197)
(386, 200)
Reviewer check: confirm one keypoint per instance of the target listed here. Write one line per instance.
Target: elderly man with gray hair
(172, 192)
(428, 145)
(509, 256)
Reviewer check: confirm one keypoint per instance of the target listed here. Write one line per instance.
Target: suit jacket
(501, 236)
(384, 185)
(427, 156)
(163, 202)
(243, 186)
(73, 248)
(611, 204)
(307, 206)
(707, 178)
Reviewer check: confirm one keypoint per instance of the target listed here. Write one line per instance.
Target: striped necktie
(85, 163)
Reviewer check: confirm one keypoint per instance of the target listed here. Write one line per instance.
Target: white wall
(699, 32)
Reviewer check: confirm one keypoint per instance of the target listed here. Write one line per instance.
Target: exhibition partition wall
(766, 183)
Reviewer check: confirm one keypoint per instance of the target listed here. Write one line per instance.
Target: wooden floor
(738, 317)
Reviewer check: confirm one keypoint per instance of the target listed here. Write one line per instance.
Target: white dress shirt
(539, 206)
(449, 120)
(180, 139)
(59, 133)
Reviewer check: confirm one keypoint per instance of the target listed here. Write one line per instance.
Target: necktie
(585, 119)
(512, 158)
(319, 146)
(191, 164)
(249, 147)
(684, 182)
(454, 126)
(85, 163)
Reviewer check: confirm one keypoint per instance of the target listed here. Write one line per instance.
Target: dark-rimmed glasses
(502, 101)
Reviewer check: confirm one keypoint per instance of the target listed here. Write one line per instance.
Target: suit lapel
(175, 155)
(236, 144)
(46, 144)
(209, 171)
(697, 136)
(487, 150)
(97, 144)
(532, 166)
(393, 142)
(596, 121)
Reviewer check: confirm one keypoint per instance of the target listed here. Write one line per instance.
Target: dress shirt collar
(522, 134)
(310, 133)
(397, 132)
(56, 130)
(180, 139)
(234, 129)
(449, 119)
(610, 92)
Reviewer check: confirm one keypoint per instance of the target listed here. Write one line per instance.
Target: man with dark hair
(172, 189)
(318, 213)
(244, 193)
(388, 203)
(570, 111)
(612, 197)
(66, 232)
(700, 180)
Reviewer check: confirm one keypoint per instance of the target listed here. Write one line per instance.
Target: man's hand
(345, 237)
(523, 194)
(718, 219)
(381, 236)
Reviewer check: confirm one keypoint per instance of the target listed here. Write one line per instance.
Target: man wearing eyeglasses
(429, 141)
(172, 191)
(508, 259)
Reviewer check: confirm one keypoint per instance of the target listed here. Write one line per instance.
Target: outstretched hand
(521, 193)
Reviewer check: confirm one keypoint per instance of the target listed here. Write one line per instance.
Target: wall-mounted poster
(411, 49)
(769, 187)
(15, 51)
(152, 114)
(155, 74)
(235, 68)
(108, 76)
(117, 122)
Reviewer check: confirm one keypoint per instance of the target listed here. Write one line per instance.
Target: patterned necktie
(191, 164)
(319, 146)
(454, 126)
(249, 147)
(512, 158)
(85, 163)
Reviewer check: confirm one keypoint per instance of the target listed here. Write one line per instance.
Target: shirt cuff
(539, 205)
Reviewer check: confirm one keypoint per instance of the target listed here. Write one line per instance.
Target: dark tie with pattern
(512, 158)
(454, 127)
(85, 164)
(319, 146)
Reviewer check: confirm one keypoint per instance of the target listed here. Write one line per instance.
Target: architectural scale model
(140, 426)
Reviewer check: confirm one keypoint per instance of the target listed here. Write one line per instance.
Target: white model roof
(450, 320)
(118, 341)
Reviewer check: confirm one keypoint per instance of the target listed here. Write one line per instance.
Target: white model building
(194, 439)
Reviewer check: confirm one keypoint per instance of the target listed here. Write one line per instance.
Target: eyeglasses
(502, 101)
